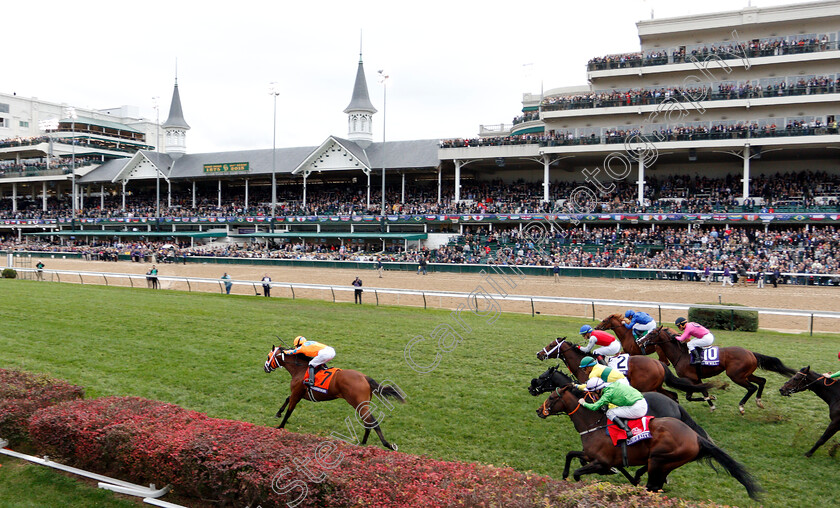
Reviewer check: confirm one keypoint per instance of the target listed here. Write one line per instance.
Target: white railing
(196, 283)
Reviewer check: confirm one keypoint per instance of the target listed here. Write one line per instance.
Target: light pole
(274, 90)
(383, 78)
(71, 114)
(156, 105)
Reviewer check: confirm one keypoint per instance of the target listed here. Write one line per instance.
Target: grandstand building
(706, 123)
(740, 93)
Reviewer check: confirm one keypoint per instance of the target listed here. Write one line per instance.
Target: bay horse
(350, 385)
(672, 444)
(643, 373)
(615, 322)
(825, 388)
(738, 363)
(659, 405)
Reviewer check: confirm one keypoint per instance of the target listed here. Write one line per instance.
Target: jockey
(609, 344)
(639, 322)
(702, 337)
(319, 353)
(595, 370)
(623, 401)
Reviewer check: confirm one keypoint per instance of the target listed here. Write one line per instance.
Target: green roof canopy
(133, 234)
(312, 234)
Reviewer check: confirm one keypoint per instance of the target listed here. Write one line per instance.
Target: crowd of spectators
(717, 91)
(678, 251)
(770, 46)
(793, 191)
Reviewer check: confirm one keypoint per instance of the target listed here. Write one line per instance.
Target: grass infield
(205, 352)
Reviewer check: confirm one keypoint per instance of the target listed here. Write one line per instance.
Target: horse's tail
(683, 384)
(387, 389)
(688, 420)
(772, 363)
(709, 451)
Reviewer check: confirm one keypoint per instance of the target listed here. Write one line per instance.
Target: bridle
(800, 387)
(557, 343)
(546, 410)
(272, 362)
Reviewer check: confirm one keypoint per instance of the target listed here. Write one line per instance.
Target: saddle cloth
(711, 356)
(640, 429)
(323, 378)
(620, 362)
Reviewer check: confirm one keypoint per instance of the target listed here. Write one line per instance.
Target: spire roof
(176, 114)
(361, 99)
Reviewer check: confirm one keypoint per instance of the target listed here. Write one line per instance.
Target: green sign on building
(228, 167)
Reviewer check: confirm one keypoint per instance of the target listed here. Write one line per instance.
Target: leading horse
(350, 385)
(615, 322)
(672, 444)
(825, 388)
(643, 373)
(738, 363)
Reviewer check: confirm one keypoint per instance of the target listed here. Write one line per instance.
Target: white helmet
(595, 384)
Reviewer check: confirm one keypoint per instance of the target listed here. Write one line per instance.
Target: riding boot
(626, 428)
(621, 424)
(601, 359)
(696, 356)
(311, 381)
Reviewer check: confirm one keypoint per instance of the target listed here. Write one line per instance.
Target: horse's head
(551, 350)
(548, 380)
(797, 383)
(658, 336)
(275, 360)
(610, 322)
(554, 404)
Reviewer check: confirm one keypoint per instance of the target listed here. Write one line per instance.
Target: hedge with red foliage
(229, 461)
(22, 393)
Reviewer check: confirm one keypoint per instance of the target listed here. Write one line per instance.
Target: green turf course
(205, 352)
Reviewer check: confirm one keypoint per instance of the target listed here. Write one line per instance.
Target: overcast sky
(453, 65)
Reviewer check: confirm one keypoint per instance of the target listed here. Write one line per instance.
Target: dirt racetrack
(791, 297)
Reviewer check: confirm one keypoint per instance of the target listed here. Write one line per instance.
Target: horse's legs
(292, 403)
(280, 411)
(832, 429)
(367, 433)
(594, 467)
(751, 389)
(366, 415)
(760, 381)
(571, 456)
(639, 472)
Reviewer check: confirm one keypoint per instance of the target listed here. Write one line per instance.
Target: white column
(123, 194)
(457, 180)
(82, 196)
(439, 176)
(641, 181)
(14, 197)
(169, 194)
(746, 180)
(368, 191)
(545, 177)
(402, 200)
(304, 189)
(44, 196)
(220, 193)
(246, 195)
(193, 194)
(102, 196)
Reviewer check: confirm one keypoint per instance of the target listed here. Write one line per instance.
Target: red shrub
(234, 462)
(22, 393)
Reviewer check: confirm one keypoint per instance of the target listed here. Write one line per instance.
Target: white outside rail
(443, 294)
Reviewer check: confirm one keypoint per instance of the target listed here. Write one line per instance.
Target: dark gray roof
(414, 154)
(361, 99)
(176, 115)
(417, 153)
(105, 172)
